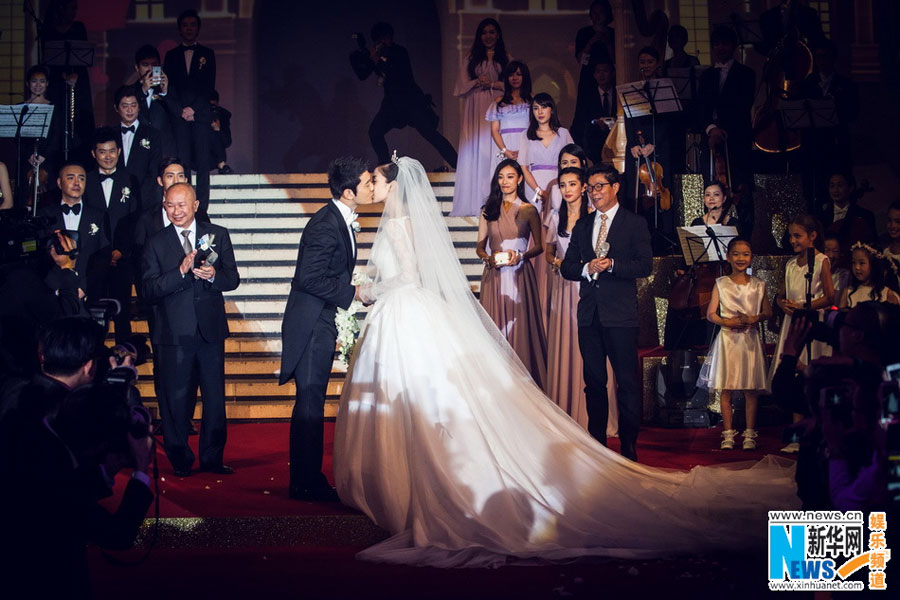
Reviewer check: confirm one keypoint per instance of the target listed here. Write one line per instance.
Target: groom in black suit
(191, 327)
(321, 284)
(607, 309)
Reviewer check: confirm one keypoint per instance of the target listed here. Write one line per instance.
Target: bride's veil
(435, 260)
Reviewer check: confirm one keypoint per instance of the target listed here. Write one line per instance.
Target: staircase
(265, 215)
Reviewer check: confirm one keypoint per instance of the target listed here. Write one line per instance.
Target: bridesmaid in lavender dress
(477, 83)
(508, 114)
(509, 291)
(565, 378)
(538, 154)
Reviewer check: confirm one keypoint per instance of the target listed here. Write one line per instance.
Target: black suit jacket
(194, 89)
(187, 306)
(120, 214)
(92, 243)
(857, 226)
(161, 115)
(321, 282)
(731, 105)
(53, 512)
(613, 297)
(144, 157)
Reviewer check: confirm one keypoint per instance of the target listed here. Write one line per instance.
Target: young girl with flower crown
(736, 361)
(868, 285)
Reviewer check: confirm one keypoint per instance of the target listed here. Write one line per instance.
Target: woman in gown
(510, 291)
(565, 367)
(539, 152)
(508, 114)
(478, 83)
(443, 438)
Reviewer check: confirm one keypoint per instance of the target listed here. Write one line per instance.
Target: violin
(650, 175)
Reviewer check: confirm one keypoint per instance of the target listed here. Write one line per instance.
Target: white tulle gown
(443, 439)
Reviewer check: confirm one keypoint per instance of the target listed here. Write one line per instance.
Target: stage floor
(259, 454)
(242, 537)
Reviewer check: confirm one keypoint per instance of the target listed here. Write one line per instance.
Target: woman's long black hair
(576, 151)
(524, 91)
(545, 100)
(491, 208)
(562, 228)
(478, 53)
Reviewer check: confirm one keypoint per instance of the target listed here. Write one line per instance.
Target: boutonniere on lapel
(205, 245)
(126, 194)
(201, 61)
(93, 229)
(355, 226)
(145, 142)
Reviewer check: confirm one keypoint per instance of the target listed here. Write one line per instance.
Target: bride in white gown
(443, 439)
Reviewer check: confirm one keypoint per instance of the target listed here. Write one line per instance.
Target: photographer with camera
(404, 101)
(842, 455)
(59, 452)
(31, 295)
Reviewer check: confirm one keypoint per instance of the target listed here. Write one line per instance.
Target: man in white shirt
(608, 252)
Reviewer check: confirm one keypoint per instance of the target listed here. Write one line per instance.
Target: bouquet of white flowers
(347, 324)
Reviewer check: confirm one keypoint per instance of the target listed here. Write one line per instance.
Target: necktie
(104, 177)
(127, 129)
(604, 104)
(186, 234)
(75, 209)
(602, 236)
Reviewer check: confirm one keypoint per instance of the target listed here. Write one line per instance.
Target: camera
(827, 328)
(20, 236)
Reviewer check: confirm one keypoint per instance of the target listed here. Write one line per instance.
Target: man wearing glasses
(608, 252)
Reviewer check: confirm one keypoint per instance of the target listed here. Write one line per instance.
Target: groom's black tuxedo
(607, 320)
(190, 331)
(320, 285)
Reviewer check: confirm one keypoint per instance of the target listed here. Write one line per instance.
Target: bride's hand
(514, 260)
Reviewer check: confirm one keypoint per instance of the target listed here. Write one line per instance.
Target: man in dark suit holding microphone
(186, 268)
(608, 252)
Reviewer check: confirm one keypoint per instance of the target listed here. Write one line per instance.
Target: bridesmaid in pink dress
(538, 153)
(477, 84)
(509, 291)
(565, 379)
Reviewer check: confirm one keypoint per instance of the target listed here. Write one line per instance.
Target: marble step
(295, 179)
(284, 236)
(257, 409)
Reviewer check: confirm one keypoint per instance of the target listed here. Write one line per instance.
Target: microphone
(811, 260)
(604, 250)
(715, 240)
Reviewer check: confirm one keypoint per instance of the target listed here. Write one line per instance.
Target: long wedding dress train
(444, 440)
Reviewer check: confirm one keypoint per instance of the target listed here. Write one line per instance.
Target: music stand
(809, 113)
(24, 120)
(687, 82)
(649, 98)
(698, 246)
(69, 54)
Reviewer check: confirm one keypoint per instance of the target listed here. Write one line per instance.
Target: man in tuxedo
(83, 223)
(321, 284)
(404, 101)
(600, 104)
(140, 143)
(115, 192)
(191, 68)
(158, 100)
(608, 252)
(726, 98)
(186, 268)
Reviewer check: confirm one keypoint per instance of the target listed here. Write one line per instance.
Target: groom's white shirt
(349, 217)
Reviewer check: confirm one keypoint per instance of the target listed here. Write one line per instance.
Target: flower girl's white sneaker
(750, 436)
(728, 439)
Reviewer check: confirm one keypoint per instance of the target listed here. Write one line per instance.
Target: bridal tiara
(395, 159)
